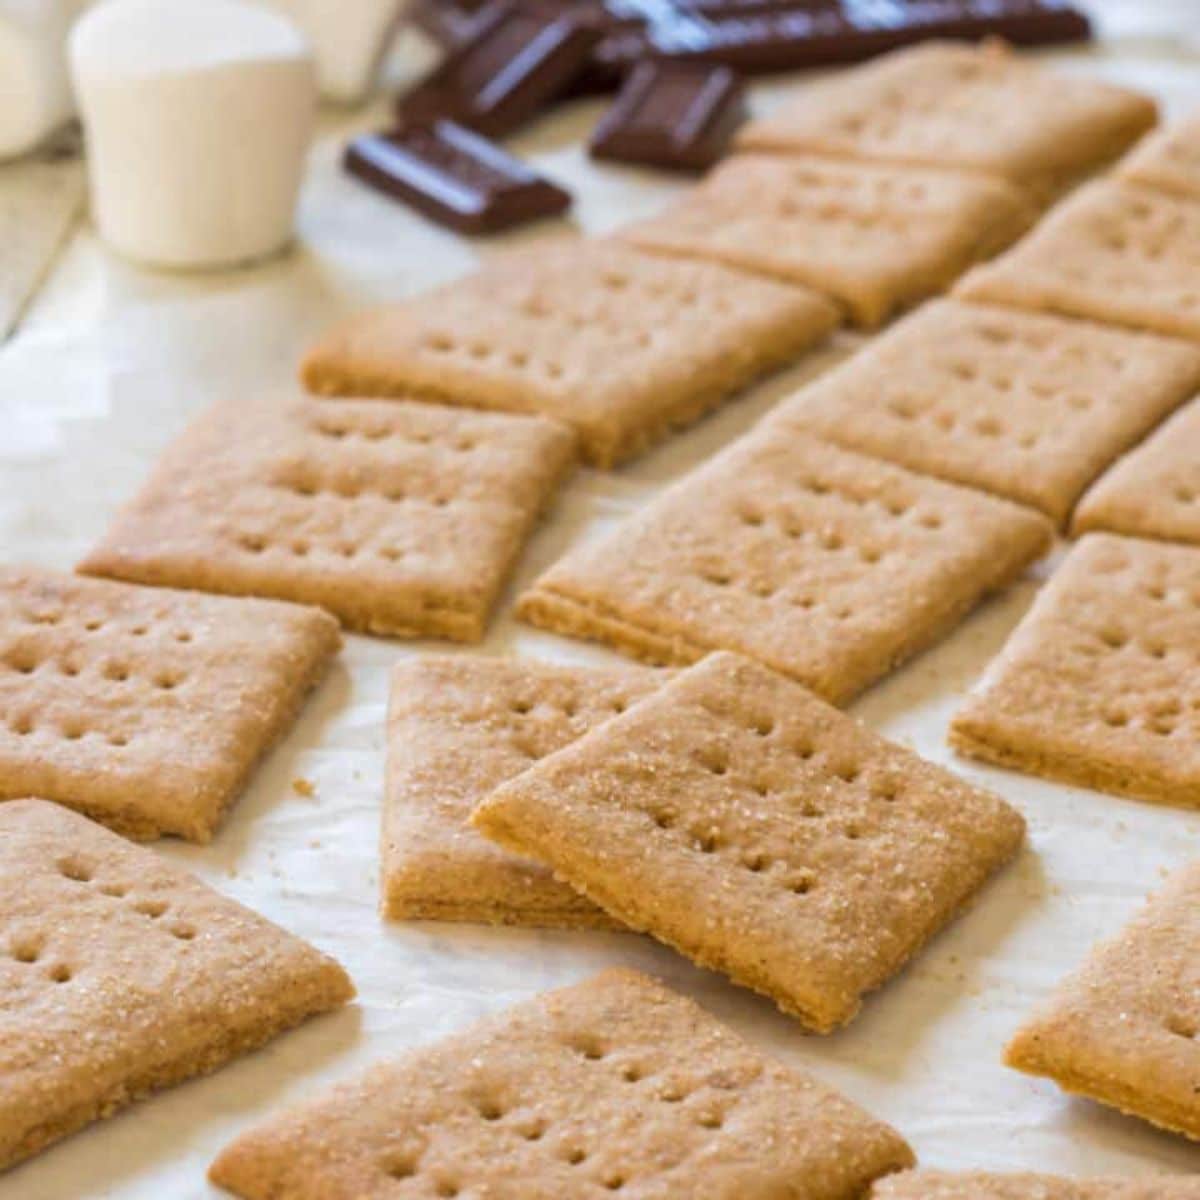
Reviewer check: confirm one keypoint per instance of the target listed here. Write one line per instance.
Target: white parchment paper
(110, 364)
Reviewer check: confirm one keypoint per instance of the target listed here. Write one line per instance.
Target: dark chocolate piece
(767, 37)
(455, 177)
(516, 61)
(677, 115)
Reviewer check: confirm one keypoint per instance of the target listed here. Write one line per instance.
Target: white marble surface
(110, 363)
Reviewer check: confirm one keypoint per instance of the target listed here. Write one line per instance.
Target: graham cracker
(831, 567)
(1154, 491)
(1123, 1028)
(616, 1084)
(987, 1185)
(1168, 160)
(876, 237)
(457, 729)
(1097, 685)
(1114, 252)
(123, 974)
(1026, 406)
(622, 346)
(948, 104)
(144, 708)
(826, 856)
(400, 519)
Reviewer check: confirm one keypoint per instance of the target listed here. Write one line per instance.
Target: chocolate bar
(454, 176)
(516, 60)
(764, 37)
(677, 115)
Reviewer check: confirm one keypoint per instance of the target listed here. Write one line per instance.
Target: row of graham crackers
(876, 191)
(406, 518)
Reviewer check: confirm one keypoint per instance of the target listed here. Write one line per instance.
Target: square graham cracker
(946, 104)
(1154, 491)
(458, 727)
(1022, 405)
(123, 974)
(1169, 160)
(824, 564)
(875, 237)
(1097, 686)
(615, 1084)
(1123, 1029)
(622, 346)
(400, 519)
(988, 1185)
(144, 708)
(826, 855)
(1114, 252)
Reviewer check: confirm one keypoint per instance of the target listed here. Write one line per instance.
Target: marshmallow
(349, 38)
(198, 115)
(35, 92)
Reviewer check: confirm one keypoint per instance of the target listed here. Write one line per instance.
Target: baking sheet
(109, 365)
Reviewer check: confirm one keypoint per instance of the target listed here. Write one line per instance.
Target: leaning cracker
(122, 974)
(1169, 160)
(828, 566)
(1025, 406)
(1123, 1029)
(1154, 491)
(945, 104)
(144, 708)
(1114, 252)
(620, 345)
(1097, 686)
(616, 1084)
(987, 1185)
(457, 729)
(875, 237)
(39, 205)
(401, 519)
(826, 856)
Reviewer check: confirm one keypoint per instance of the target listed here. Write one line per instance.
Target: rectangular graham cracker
(1097, 686)
(622, 346)
(828, 566)
(123, 974)
(1168, 161)
(1154, 491)
(1023, 405)
(615, 1084)
(875, 237)
(1123, 1029)
(987, 1185)
(826, 855)
(1114, 252)
(947, 104)
(400, 519)
(144, 708)
(458, 727)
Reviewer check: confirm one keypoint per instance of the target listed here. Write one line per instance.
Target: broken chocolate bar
(676, 115)
(516, 60)
(454, 176)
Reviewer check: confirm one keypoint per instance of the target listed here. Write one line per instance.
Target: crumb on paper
(304, 787)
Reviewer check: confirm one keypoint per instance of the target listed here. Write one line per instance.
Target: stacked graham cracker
(726, 806)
